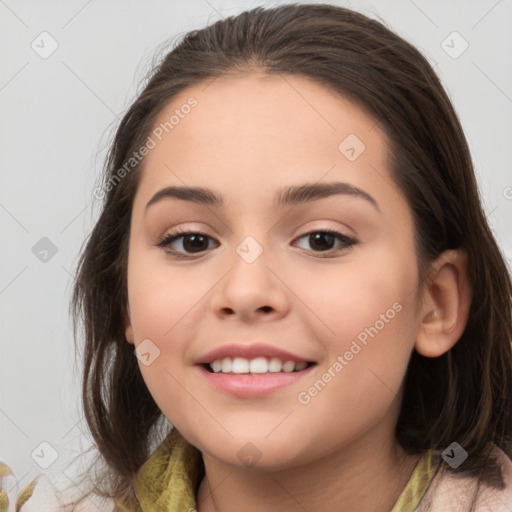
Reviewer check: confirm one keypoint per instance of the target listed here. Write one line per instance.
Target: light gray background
(57, 115)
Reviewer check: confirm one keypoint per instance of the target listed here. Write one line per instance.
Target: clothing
(169, 479)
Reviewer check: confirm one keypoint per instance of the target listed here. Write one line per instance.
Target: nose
(251, 291)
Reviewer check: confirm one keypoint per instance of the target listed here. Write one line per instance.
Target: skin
(250, 135)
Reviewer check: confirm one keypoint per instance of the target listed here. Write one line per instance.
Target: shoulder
(450, 492)
(504, 496)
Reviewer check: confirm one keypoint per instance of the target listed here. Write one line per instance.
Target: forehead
(251, 132)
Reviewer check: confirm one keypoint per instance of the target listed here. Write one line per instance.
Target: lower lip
(247, 386)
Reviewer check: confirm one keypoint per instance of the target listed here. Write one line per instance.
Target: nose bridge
(251, 287)
(250, 273)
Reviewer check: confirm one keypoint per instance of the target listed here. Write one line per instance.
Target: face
(326, 279)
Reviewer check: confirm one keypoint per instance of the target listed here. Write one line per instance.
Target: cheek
(368, 321)
(165, 308)
(365, 293)
(359, 386)
(163, 300)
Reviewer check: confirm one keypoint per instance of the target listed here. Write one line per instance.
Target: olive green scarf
(168, 480)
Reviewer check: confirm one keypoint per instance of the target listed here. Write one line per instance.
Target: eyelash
(166, 240)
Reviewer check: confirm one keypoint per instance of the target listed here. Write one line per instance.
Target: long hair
(463, 395)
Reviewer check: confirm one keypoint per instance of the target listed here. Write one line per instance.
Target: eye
(192, 242)
(322, 241)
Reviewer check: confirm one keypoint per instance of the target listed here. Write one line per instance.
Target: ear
(446, 303)
(128, 331)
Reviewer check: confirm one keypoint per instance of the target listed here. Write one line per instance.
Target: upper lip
(249, 352)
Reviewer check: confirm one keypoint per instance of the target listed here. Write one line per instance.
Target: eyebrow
(288, 196)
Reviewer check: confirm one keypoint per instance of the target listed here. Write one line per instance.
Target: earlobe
(447, 300)
(128, 331)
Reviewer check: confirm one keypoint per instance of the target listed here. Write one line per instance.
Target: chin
(256, 452)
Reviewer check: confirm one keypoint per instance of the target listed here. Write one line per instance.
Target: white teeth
(289, 366)
(240, 365)
(216, 366)
(275, 365)
(226, 365)
(258, 365)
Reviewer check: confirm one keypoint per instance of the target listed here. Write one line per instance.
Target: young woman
(292, 299)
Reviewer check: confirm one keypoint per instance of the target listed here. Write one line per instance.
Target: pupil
(317, 239)
(196, 243)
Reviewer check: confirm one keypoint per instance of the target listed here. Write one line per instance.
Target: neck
(369, 475)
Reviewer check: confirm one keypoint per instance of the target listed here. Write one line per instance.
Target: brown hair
(464, 395)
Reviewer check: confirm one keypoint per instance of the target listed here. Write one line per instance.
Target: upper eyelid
(176, 235)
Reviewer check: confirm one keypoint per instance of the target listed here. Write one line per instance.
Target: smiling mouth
(255, 366)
